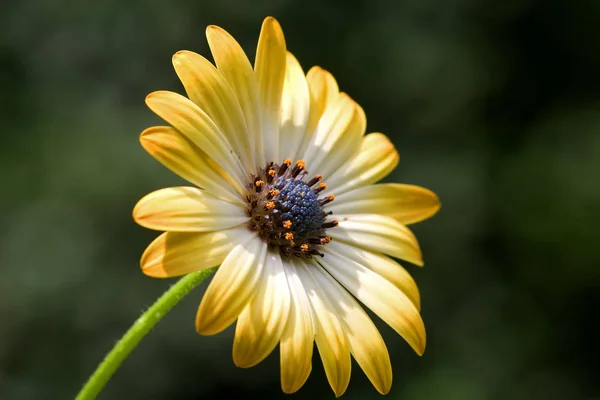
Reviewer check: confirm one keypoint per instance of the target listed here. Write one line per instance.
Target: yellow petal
(323, 87)
(232, 287)
(297, 340)
(186, 209)
(329, 332)
(262, 322)
(332, 125)
(383, 298)
(178, 253)
(347, 145)
(191, 121)
(384, 266)
(177, 153)
(323, 90)
(295, 109)
(270, 74)
(365, 341)
(405, 203)
(376, 158)
(237, 71)
(378, 233)
(207, 88)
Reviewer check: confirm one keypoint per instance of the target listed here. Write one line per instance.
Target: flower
(295, 253)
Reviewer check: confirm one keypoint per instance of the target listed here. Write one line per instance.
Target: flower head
(284, 201)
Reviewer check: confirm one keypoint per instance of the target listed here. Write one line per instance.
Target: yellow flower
(295, 254)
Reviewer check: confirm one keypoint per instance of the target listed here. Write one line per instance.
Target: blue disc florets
(286, 210)
(299, 204)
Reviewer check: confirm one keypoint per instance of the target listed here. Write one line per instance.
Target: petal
(186, 209)
(178, 253)
(337, 136)
(407, 204)
(378, 233)
(323, 87)
(376, 158)
(329, 332)
(297, 340)
(177, 153)
(207, 88)
(262, 322)
(384, 266)
(323, 90)
(232, 287)
(365, 341)
(237, 71)
(295, 110)
(347, 145)
(386, 300)
(191, 121)
(269, 67)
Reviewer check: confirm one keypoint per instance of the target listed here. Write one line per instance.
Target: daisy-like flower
(284, 201)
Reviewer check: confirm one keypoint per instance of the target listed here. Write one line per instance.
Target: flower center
(287, 212)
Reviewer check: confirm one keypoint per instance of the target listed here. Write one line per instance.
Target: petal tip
(270, 20)
(419, 347)
(177, 57)
(384, 390)
(214, 30)
(152, 97)
(242, 363)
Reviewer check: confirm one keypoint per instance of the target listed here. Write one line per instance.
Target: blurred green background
(493, 105)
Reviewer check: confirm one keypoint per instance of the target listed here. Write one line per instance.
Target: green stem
(138, 330)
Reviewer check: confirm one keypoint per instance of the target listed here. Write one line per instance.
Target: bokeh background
(493, 105)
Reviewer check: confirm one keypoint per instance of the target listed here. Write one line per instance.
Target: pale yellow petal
(260, 325)
(270, 74)
(191, 121)
(376, 158)
(330, 337)
(181, 156)
(378, 233)
(383, 298)
(295, 109)
(333, 136)
(323, 87)
(207, 88)
(405, 203)
(365, 341)
(237, 71)
(178, 253)
(323, 90)
(346, 145)
(297, 340)
(382, 265)
(187, 209)
(232, 287)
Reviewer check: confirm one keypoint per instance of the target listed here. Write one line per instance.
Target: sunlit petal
(376, 158)
(298, 336)
(380, 234)
(407, 204)
(232, 287)
(178, 253)
(207, 88)
(270, 74)
(386, 300)
(181, 156)
(261, 324)
(186, 209)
